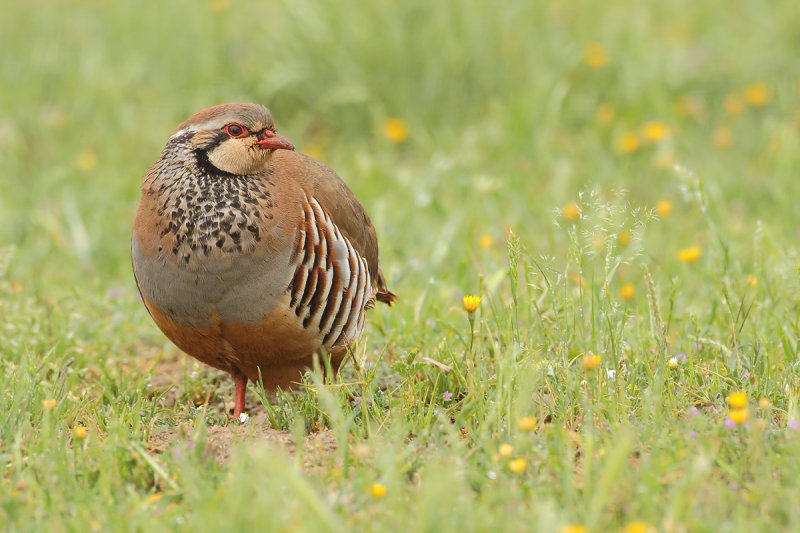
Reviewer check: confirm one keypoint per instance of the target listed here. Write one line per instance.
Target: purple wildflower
(693, 434)
(357, 400)
(681, 357)
(746, 374)
(178, 454)
(729, 423)
(697, 346)
(447, 395)
(793, 424)
(179, 451)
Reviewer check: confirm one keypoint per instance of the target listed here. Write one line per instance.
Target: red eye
(235, 130)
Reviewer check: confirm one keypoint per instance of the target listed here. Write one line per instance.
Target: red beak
(275, 142)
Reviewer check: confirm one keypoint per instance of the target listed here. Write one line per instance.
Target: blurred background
(618, 180)
(453, 121)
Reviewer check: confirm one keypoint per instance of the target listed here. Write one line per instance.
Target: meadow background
(617, 180)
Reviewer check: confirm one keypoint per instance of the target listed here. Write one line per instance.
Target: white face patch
(239, 156)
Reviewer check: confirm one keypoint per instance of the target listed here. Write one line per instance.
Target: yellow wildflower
(577, 279)
(79, 433)
(605, 113)
(595, 56)
(655, 131)
(574, 529)
(571, 212)
(624, 237)
(471, 303)
(517, 465)
(751, 280)
(737, 400)
(527, 423)
(627, 291)
(722, 138)
(757, 94)
(49, 404)
(690, 255)
(153, 498)
(486, 242)
(663, 208)
(505, 450)
(734, 104)
(764, 403)
(590, 361)
(739, 416)
(672, 363)
(395, 129)
(86, 160)
(629, 143)
(638, 527)
(377, 490)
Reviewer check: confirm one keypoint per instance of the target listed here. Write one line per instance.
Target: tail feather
(384, 294)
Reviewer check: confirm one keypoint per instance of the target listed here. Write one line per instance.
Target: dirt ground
(223, 439)
(168, 373)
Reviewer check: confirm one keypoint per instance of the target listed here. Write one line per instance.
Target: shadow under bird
(249, 256)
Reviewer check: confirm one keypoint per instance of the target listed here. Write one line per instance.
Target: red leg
(239, 387)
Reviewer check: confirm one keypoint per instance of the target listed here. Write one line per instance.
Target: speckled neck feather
(207, 208)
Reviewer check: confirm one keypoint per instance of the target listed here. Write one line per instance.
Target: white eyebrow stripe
(180, 132)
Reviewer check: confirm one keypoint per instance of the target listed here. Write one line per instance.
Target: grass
(509, 120)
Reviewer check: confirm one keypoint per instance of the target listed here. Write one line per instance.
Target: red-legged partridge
(249, 256)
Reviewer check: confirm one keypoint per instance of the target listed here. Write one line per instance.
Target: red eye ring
(235, 130)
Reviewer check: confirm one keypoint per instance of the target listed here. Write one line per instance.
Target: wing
(340, 203)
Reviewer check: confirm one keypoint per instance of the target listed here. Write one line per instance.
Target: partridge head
(235, 139)
(251, 257)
